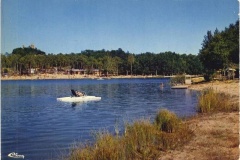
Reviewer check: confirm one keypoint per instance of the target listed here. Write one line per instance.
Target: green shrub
(179, 79)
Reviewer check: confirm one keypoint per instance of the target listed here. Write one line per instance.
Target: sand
(230, 87)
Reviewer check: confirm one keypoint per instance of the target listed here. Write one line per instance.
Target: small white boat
(79, 99)
(179, 87)
(15, 155)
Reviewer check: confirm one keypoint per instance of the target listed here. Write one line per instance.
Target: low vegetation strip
(141, 140)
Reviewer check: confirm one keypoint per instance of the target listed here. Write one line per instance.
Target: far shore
(74, 76)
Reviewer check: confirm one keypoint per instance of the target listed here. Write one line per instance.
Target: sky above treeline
(136, 26)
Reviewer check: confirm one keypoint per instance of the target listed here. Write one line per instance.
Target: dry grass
(107, 146)
(167, 121)
(142, 140)
(211, 101)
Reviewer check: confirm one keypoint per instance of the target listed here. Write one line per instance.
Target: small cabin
(228, 73)
(77, 71)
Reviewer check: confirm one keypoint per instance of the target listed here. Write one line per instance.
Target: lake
(35, 124)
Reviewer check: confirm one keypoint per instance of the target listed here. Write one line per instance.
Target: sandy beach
(230, 87)
(47, 76)
(68, 76)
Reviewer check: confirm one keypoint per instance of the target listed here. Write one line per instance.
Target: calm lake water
(35, 124)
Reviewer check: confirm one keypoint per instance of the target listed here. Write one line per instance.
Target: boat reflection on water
(78, 106)
(74, 104)
(82, 104)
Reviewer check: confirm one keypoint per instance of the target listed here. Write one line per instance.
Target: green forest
(220, 50)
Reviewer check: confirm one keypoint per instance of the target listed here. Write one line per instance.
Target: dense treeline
(219, 50)
(117, 62)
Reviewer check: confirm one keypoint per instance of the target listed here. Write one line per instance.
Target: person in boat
(79, 94)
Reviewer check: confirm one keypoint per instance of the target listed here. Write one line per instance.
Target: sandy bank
(216, 138)
(229, 87)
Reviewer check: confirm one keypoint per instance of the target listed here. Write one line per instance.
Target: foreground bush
(167, 121)
(174, 132)
(142, 140)
(211, 101)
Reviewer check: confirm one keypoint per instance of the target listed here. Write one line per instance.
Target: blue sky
(137, 26)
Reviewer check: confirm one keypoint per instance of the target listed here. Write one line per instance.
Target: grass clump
(107, 147)
(211, 101)
(173, 132)
(167, 121)
(142, 140)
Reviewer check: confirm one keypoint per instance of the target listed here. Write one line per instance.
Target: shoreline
(64, 76)
(216, 134)
(230, 87)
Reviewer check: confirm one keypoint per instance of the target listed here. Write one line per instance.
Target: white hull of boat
(79, 99)
(180, 87)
